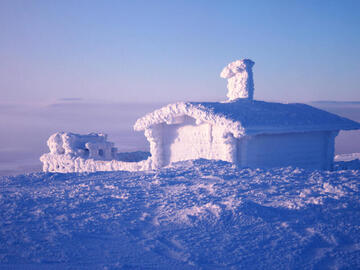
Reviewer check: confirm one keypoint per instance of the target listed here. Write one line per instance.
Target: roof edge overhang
(169, 113)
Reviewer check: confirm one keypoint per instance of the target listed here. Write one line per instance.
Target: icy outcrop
(71, 152)
(240, 79)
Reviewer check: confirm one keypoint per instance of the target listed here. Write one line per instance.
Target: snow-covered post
(154, 137)
(240, 79)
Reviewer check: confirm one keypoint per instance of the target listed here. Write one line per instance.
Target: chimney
(240, 79)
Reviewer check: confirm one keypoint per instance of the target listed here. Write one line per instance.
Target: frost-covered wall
(189, 140)
(199, 141)
(305, 150)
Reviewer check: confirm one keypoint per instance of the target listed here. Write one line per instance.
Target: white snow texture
(194, 215)
(71, 152)
(240, 79)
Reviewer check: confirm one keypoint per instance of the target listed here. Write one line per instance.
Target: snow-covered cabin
(246, 132)
(243, 131)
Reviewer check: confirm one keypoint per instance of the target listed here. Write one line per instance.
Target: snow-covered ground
(194, 215)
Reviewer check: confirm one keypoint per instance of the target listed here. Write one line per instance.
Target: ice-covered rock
(240, 79)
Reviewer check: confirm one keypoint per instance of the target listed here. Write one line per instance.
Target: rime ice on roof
(240, 79)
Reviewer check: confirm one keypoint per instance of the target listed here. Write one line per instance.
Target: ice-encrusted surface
(250, 117)
(195, 215)
(240, 79)
(68, 164)
(70, 152)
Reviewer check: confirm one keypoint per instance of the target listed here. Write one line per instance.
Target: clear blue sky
(174, 50)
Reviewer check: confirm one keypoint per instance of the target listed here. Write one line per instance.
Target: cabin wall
(305, 150)
(198, 141)
(189, 140)
(186, 139)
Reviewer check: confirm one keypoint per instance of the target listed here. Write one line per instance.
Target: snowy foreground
(195, 215)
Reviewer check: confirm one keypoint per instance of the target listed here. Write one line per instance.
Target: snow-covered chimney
(240, 79)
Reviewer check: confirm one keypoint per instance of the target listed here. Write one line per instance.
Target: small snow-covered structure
(71, 152)
(243, 131)
(246, 132)
(93, 145)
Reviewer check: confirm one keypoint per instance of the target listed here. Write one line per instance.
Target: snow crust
(240, 79)
(193, 215)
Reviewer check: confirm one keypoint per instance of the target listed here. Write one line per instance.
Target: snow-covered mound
(195, 215)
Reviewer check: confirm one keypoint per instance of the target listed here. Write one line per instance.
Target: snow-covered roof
(250, 117)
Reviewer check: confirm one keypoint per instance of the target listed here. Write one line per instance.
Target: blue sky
(148, 51)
